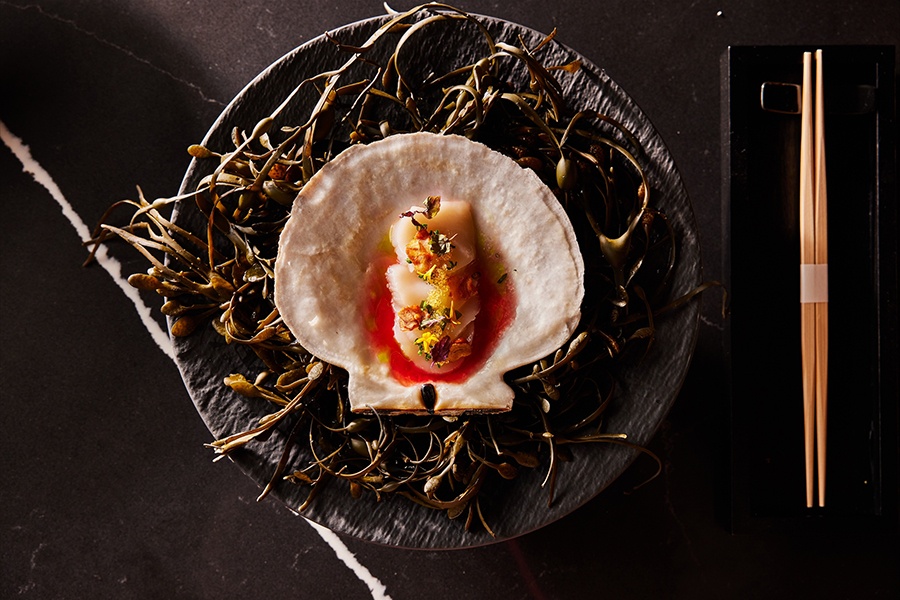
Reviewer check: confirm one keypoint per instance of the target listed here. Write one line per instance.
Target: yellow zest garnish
(426, 341)
(452, 316)
(428, 274)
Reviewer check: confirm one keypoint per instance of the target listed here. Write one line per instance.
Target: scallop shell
(338, 228)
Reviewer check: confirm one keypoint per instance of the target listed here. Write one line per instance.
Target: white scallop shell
(340, 220)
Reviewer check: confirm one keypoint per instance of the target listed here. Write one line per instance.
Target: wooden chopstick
(807, 257)
(821, 230)
(813, 276)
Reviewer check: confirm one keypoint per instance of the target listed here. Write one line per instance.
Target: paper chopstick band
(813, 283)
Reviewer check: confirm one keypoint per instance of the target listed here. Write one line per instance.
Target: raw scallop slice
(449, 215)
(407, 289)
(334, 246)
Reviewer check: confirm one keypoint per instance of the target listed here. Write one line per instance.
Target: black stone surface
(105, 488)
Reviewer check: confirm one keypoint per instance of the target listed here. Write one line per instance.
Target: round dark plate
(646, 390)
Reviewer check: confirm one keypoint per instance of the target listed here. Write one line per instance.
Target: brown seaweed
(222, 276)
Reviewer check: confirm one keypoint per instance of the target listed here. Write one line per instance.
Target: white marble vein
(113, 267)
(117, 47)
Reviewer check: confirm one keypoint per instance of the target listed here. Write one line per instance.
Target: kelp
(221, 274)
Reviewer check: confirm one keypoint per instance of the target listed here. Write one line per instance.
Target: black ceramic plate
(646, 391)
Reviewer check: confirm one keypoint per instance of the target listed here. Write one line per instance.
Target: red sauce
(498, 307)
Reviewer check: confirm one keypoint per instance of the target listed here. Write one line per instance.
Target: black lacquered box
(761, 254)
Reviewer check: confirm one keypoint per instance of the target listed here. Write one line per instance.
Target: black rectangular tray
(761, 267)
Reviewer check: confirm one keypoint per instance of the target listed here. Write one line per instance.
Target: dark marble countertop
(106, 488)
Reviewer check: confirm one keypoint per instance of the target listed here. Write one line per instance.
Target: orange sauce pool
(498, 307)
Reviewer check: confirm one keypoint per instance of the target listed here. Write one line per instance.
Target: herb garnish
(432, 208)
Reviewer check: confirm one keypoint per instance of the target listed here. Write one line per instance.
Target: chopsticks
(813, 276)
